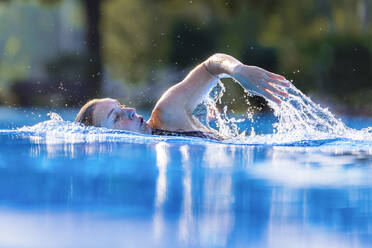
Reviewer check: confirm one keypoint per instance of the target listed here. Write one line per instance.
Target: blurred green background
(60, 53)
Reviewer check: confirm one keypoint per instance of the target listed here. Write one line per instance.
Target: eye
(116, 118)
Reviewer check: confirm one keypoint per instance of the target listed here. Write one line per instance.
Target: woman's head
(110, 113)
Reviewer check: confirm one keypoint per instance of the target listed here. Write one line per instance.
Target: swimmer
(172, 114)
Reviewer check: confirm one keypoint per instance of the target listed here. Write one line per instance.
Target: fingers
(276, 76)
(277, 91)
(270, 95)
(273, 93)
(282, 83)
(277, 79)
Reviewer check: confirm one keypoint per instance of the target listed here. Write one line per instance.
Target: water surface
(298, 178)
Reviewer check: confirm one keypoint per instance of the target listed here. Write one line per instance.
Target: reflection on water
(166, 194)
(161, 189)
(304, 183)
(187, 222)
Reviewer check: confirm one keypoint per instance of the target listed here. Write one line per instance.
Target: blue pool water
(306, 182)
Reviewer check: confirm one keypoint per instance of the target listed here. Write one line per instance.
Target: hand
(261, 82)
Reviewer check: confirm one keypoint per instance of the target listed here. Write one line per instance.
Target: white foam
(301, 122)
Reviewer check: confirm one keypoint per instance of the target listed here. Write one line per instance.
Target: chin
(146, 130)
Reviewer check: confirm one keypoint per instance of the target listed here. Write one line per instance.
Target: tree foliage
(318, 43)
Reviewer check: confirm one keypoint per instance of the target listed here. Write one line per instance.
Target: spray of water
(298, 113)
(300, 122)
(209, 114)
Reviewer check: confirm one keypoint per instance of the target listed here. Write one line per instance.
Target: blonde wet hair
(85, 114)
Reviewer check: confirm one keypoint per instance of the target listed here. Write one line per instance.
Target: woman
(172, 114)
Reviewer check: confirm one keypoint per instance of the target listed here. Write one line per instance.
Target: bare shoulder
(170, 114)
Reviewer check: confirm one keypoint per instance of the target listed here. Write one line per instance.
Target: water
(297, 178)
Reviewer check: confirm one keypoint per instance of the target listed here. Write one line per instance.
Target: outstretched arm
(174, 109)
(252, 78)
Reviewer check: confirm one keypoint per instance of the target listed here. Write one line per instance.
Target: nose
(130, 112)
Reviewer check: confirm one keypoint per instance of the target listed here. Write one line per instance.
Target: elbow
(219, 55)
(214, 64)
(220, 63)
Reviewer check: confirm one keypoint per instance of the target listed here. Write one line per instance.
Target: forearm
(220, 63)
(252, 78)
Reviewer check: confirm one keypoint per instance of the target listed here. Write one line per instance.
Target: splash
(208, 113)
(299, 114)
(300, 123)
(58, 131)
(299, 118)
(54, 117)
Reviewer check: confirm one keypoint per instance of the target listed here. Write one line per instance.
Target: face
(110, 113)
